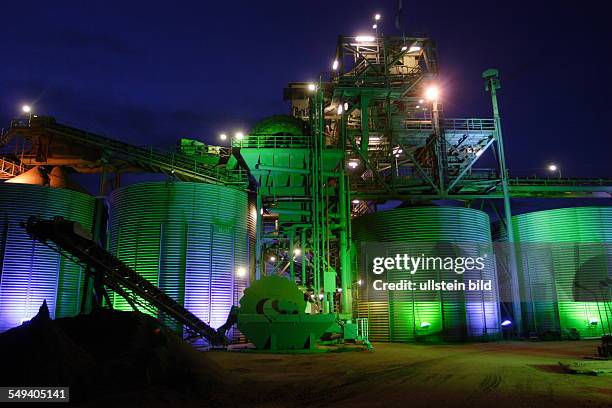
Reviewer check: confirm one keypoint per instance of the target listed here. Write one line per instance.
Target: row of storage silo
(195, 241)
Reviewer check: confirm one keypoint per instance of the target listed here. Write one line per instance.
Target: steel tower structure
(375, 131)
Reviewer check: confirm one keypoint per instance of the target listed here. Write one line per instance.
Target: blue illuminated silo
(30, 272)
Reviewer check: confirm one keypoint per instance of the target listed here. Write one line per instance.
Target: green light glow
(576, 235)
(190, 239)
(408, 316)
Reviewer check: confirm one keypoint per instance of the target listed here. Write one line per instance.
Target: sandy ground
(492, 375)
(496, 375)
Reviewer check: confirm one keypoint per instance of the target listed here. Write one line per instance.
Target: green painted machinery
(273, 316)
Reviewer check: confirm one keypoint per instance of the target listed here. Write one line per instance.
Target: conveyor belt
(149, 159)
(73, 242)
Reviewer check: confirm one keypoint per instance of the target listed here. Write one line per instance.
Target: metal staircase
(72, 241)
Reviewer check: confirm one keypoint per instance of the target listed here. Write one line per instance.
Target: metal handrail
(273, 141)
(454, 124)
(544, 181)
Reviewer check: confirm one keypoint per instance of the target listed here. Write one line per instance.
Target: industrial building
(271, 228)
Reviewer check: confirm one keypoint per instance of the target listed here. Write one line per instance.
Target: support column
(491, 77)
(365, 123)
(258, 235)
(440, 147)
(292, 255)
(303, 246)
(345, 260)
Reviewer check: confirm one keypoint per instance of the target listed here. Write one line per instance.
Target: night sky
(151, 72)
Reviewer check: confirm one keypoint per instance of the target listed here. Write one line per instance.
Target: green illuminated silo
(30, 272)
(404, 316)
(190, 239)
(565, 257)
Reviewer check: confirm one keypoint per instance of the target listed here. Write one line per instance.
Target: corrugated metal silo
(190, 239)
(30, 272)
(404, 316)
(565, 257)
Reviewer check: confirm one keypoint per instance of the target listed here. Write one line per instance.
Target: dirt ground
(517, 374)
(492, 375)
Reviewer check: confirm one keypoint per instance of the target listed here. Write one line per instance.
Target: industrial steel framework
(374, 130)
(377, 132)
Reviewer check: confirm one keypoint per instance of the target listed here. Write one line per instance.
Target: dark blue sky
(151, 72)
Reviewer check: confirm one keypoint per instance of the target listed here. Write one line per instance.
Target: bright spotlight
(239, 135)
(506, 323)
(223, 136)
(312, 87)
(346, 106)
(404, 48)
(359, 282)
(552, 167)
(414, 48)
(374, 26)
(425, 325)
(335, 65)
(353, 164)
(364, 38)
(355, 201)
(272, 258)
(297, 252)
(340, 109)
(26, 108)
(432, 93)
(377, 17)
(241, 272)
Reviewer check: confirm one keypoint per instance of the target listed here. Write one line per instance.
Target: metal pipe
(345, 262)
(287, 211)
(492, 84)
(291, 255)
(292, 170)
(258, 235)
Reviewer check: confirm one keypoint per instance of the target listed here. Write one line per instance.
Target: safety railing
(555, 181)
(273, 142)
(464, 125)
(473, 124)
(9, 168)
